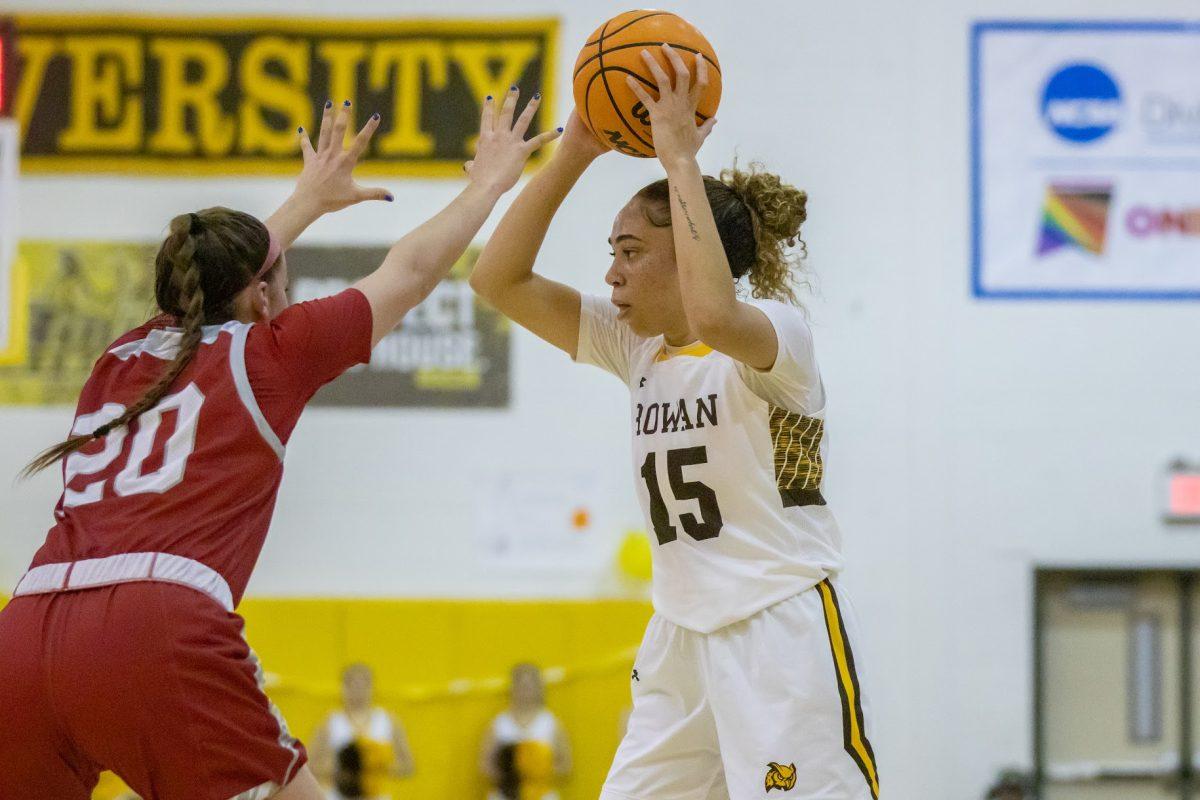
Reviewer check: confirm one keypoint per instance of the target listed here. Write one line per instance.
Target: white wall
(970, 440)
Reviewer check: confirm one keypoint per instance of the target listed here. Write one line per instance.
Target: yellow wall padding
(441, 667)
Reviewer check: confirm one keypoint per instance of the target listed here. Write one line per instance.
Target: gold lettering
(475, 59)
(36, 53)
(214, 130)
(401, 62)
(262, 90)
(343, 59)
(106, 108)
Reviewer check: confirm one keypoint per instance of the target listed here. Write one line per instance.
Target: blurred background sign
(11, 317)
(1183, 493)
(224, 96)
(1086, 160)
(78, 297)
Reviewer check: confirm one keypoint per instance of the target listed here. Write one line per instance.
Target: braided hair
(207, 259)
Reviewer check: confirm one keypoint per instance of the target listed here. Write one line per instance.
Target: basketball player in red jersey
(120, 649)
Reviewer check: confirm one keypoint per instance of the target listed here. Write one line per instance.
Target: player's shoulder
(789, 320)
(160, 322)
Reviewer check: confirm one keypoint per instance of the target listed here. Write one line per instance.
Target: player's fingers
(363, 139)
(505, 121)
(467, 165)
(683, 78)
(661, 79)
(325, 134)
(640, 91)
(701, 82)
(487, 118)
(306, 148)
(706, 127)
(542, 138)
(372, 193)
(341, 121)
(526, 117)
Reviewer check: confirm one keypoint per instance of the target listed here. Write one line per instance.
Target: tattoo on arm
(687, 216)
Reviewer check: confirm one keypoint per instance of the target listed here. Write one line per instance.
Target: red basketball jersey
(197, 475)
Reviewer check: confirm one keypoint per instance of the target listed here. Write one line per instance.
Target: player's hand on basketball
(327, 179)
(503, 149)
(673, 125)
(578, 141)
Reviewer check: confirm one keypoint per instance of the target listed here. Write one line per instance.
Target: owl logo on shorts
(781, 776)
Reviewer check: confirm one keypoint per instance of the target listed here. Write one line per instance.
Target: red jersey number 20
(131, 480)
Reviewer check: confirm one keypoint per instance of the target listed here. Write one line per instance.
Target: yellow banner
(224, 96)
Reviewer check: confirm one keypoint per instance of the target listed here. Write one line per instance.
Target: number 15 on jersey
(708, 525)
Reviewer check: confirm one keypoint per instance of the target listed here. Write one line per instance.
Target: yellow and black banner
(72, 299)
(224, 96)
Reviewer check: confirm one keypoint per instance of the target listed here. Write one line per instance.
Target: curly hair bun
(780, 208)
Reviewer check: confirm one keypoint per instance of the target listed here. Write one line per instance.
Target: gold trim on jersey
(854, 731)
(796, 440)
(696, 349)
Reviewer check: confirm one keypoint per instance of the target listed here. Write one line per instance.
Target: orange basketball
(607, 105)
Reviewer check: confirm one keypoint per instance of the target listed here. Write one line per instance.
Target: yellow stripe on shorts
(853, 727)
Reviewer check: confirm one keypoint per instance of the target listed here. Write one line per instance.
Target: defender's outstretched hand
(327, 178)
(503, 149)
(326, 182)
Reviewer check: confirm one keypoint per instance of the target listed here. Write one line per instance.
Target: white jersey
(342, 731)
(542, 728)
(729, 463)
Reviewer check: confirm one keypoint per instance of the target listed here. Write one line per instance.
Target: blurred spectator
(1011, 785)
(525, 752)
(360, 746)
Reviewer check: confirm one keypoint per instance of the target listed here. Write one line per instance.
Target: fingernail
(512, 88)
(560, 130)
(537, 96)
(375, 115)
(300, 129)
(329, 104)
(346, 103)
(489, 98)
(388, 197)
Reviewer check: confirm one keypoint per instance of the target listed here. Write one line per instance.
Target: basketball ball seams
(627, 24)
(641, 79)
(610, 121)
(649, 84)
(608, 89)
(588, 90)
(600, 73)
(685, 48)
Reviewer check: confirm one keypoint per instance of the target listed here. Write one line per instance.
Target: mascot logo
(781, 776)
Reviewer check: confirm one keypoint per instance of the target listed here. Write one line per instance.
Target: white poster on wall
(532, 519)
(1085, 140)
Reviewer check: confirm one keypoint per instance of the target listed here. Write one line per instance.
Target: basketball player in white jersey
(745, 685)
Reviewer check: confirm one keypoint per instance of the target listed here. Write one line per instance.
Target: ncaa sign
(1085, 160)
(1081, 103)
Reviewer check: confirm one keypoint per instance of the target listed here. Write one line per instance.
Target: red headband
(273, 251)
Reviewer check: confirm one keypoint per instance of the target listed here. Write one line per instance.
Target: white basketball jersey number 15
(130, 479)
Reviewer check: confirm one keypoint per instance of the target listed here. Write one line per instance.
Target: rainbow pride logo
(1075, 215)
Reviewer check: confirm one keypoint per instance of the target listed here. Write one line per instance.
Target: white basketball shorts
(769, 707)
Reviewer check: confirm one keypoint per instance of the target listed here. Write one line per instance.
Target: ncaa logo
(1081, 103)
